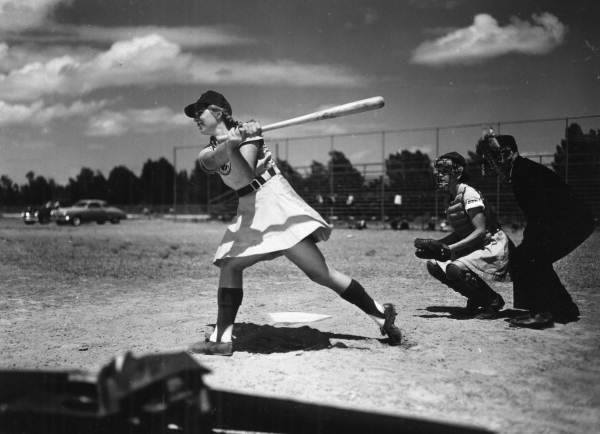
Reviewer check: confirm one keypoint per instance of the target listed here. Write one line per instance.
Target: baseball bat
(337, 111)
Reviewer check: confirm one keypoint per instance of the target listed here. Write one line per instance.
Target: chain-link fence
(386, 176)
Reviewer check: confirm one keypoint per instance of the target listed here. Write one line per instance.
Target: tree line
(337, 183)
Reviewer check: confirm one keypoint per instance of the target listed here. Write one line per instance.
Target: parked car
(29, 215)
(47, 212)
(43, 214)
(89, 210)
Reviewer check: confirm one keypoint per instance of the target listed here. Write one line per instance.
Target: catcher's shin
(431, 249)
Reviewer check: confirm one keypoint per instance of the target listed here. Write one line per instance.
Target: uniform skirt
(269, 221)
(490, 262)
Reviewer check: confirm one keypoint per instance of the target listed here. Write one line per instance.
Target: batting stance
(476, 251)
(272, 220)
(556, 222)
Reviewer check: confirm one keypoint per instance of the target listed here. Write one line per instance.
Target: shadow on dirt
(459, 313)
(267, 339)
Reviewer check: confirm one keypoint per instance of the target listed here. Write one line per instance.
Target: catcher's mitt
(432, 249)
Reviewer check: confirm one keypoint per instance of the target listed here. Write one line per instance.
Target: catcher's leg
(474, 288)
(436, 271)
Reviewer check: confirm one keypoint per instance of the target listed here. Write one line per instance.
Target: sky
(101, 83)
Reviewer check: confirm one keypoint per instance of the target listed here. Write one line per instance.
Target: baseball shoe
(541, 320)
(568, 314)
(470, 309)
(212, 348)
(492, 311)
(389, 328)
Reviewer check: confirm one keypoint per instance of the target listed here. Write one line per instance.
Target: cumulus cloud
(185, 37)
(37, 113)
(113, 123)
(152, 60)
(18, 15)
(485, 39)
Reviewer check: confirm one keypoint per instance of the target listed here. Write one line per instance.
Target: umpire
(556, 223)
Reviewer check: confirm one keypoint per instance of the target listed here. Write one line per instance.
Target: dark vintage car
(29, 215)
(43, 214)
(89, 210)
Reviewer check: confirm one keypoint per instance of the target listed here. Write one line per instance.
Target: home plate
(295, 317)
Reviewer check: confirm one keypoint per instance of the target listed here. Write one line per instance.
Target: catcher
(557, 221)
(476, 251)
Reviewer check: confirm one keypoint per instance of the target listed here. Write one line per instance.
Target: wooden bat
(337, 111)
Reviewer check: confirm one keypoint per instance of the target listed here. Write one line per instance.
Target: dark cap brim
(192, 109)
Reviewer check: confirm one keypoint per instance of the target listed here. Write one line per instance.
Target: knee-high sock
(228, 301)
(356, 294)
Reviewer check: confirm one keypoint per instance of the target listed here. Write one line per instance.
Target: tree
(124, 186)
(291, 174)
(577, 159)
(410, 175)
(316, 184)
(157, 182)
(9, 191)
(38, 190)
(88, 184)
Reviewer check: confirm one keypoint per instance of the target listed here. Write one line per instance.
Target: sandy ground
(73, 298)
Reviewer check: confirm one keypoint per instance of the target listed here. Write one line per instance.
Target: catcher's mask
(450, 165)
(496, 152)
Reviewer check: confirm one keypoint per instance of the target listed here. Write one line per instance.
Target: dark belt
(258, 181)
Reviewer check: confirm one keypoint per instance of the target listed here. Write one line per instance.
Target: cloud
(113, 123)
(371, 17)
(39, 114)
(186, 37)
(152, 61)
(18, 15)
(485, 39)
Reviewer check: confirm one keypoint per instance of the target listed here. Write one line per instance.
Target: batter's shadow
(459, 313)
(268, 339)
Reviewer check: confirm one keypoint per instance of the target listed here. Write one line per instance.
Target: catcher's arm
(431, 249)
(451, 238)
(475, 240)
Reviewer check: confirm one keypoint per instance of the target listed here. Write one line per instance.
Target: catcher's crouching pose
(477, 249)
(272, 220)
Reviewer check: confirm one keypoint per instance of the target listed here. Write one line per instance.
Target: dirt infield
(76, 297)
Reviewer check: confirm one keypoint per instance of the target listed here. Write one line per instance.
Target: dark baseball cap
(506, 141)
(208, 98)
(455, 157)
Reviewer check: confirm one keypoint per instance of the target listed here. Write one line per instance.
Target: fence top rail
(434, 128)
(416, 129)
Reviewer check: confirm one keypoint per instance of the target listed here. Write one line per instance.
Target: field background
(73, 298)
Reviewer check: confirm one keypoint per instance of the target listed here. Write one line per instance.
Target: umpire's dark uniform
(557, 222)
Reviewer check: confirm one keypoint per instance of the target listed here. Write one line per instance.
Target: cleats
(212, 348)
(492, 311)
(541, 320)
(388, 328)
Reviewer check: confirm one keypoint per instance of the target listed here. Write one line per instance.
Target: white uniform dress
(269, 220)
(490, 262)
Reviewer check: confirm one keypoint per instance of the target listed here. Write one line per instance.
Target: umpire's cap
(208, 98)
(506, 141)
(455, 157)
